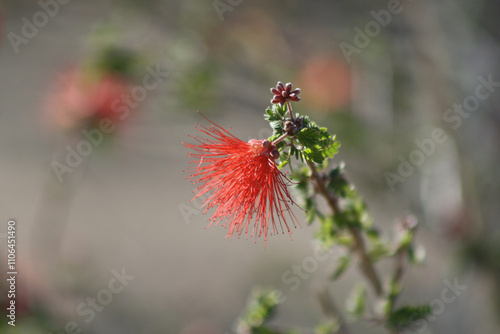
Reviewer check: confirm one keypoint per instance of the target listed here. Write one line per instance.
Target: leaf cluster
(260, 309)
(306, 141)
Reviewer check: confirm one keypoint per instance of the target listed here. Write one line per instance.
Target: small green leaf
(283, 163)
(345, 239)
(310, 215)
(327, 232)
(260, 308)
(404, 239)
(327, 327)
(416, 254)
(373, 234)
(382, 307)
(313, 154)
(278, 110)
(332, 150)
(395, 288)
(339, 186)
(343, 265)
(379, 250)
(276, 125)
(356, 302)
(309, 137)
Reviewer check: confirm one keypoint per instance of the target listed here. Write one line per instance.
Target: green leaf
(416, 254)
(273, 138)
(345, 239)
(275, 113)
(283, 163)
(395, 288)
(261, 307)
(280, 146)
(269, 115)
(332, 150)
(373, 234)
(310, 215)
(403, 239)
(382, 307)
(328, 232)
(309, 137)
(276, 125)
(314, 155)
(356, 302)
(406, 315)
(327, 327)
(379, 250)
(343, 265)
(280, 110)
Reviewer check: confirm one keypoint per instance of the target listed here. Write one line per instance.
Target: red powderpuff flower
(241, 180)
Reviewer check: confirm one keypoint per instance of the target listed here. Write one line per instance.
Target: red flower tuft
(242, 181)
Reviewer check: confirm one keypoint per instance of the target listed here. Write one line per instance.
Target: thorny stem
(359, 244)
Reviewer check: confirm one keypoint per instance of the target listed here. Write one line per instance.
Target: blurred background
(97, 97)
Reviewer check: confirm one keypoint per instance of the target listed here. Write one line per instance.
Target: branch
(359, 244)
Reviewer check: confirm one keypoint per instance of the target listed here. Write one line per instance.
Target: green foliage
(343, 265)
(327, 327)
(261, 308)
(328, 232)
(379, 250)
(404, 239)
(317, 143)
(338, 184)
(306, 140)
(275, 115)
(356, 302)
(416, 254)
(405, 316)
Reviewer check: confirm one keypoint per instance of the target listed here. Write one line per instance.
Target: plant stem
(290, 110)
(397, 276)
(280, 138)
(331, 311)
(359, 243)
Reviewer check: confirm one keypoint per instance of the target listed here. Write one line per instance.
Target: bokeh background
(126, 205)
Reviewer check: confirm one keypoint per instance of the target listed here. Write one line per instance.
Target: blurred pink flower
(80, 98)
(326, 82)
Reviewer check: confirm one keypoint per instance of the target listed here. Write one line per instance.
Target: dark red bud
(275, 154)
